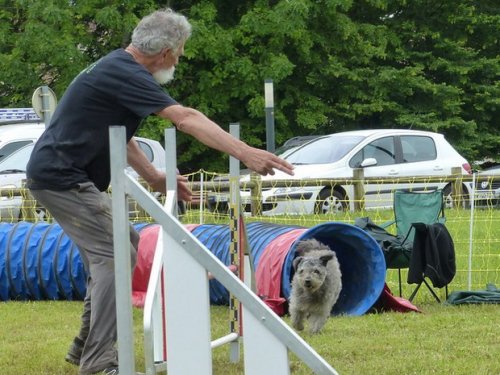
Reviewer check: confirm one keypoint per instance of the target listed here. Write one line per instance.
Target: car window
(9, 148)
(146, 149)
(323, 150)
(18, 159)
(417, 148)
(382, 150)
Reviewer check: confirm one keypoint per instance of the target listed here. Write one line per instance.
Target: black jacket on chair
(432, 256)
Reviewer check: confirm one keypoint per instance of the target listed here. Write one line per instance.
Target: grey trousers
(85, 216)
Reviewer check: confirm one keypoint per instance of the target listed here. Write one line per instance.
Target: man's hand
(264, 162)
(156, 179)
(159, 184)
(184, 193)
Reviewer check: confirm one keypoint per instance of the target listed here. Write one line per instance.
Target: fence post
(359, 190)
(456, 187)
(28, 205)
(255, 194)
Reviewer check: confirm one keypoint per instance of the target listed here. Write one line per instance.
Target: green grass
(443, 339)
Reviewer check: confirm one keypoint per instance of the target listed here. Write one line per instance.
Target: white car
(15, 136)
(17, 139)
(380, 153)
(13, 174)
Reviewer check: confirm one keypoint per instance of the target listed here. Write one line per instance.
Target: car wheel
(39, 214)
(219, 208)
(330, 201)
(448, 199)
(181, 208)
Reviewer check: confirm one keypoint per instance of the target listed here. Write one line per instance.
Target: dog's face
(310, 272)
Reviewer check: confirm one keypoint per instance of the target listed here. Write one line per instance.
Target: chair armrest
(387, 223)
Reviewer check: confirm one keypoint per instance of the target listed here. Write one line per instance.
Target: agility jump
(188, 333)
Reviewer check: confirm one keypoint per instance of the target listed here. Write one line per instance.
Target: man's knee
(134, 241)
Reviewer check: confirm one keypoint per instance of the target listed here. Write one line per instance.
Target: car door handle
(438, 168)
(393, 172)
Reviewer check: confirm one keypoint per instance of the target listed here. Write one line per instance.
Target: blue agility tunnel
(362, 264)
(272, 247)
(38, 261)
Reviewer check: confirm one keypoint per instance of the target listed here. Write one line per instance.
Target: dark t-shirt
(115, 90)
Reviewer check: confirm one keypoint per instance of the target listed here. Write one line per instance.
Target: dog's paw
(298, 324)
(316, 324)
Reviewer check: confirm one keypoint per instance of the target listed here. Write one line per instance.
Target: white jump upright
(121, 239)
(178, 293)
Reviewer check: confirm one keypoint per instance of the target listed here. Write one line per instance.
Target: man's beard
(164, 76)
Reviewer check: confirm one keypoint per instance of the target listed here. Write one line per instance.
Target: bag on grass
(490, 295)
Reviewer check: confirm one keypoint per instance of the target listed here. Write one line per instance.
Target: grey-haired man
(69, 169)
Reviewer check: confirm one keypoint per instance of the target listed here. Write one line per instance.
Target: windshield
(284, 151)
(17, 160)
(292, 144)
(323, 150)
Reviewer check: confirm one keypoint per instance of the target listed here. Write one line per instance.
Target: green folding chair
(410, 208)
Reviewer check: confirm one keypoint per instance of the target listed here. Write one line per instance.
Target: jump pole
(235, 250)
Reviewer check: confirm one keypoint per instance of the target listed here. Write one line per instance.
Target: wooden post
(256, 194)
(456, 187)
(359, 191)
(28, 205)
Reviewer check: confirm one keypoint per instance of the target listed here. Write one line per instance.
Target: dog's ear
(296, 262)
(325, 259)
(300, 248)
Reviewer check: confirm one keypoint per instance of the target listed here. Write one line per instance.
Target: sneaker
(75, 352)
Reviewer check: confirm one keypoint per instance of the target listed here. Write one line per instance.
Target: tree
(336, 64)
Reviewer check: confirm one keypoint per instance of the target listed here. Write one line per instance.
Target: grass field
(443, 339)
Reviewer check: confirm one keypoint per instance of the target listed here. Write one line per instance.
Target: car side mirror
(368, 162)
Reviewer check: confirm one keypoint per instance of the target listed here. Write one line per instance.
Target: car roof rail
(18, 114)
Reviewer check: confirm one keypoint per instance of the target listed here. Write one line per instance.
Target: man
(69, 167)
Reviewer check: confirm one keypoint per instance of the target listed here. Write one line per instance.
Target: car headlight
(286, 190)
(288, 194)
(10, 195)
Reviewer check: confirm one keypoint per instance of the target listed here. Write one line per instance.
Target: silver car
(487, 192)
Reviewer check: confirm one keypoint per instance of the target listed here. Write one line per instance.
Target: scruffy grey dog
(316, 285)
